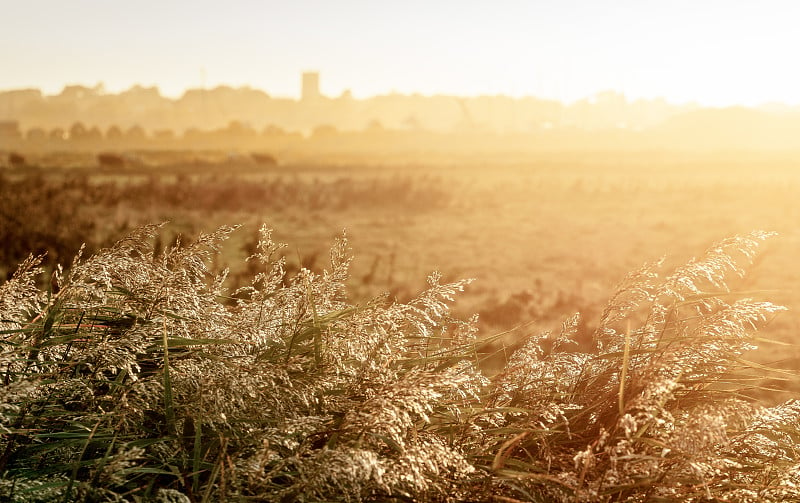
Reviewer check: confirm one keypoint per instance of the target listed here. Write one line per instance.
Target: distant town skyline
(713, 53)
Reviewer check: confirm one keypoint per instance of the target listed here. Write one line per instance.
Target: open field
(544, 238)
(136, 373)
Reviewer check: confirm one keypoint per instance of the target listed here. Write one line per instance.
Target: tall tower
(310, 86)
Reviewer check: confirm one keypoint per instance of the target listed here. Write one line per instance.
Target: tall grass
(54, 213)
(137, 377)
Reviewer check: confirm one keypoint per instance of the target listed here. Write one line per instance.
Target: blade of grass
(77, 464)
(624, 371)
(197, 448)
(169, 406)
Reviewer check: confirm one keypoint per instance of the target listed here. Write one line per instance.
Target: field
(543, 237)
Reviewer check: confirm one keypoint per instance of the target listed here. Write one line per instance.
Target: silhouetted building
(78, 92)
(310, 86)
(12, 101)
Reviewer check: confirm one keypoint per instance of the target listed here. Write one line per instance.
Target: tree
(273, 130)
(136, 133)
(36, 134)
(77, 132)
(94, 134)
(324, 131)
(114, 133)
(374, 126)
(164, 134)
(57, 134)
(239, 129)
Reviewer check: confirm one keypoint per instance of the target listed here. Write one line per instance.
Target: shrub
(39, 217)
(55, 214)
(139, 378)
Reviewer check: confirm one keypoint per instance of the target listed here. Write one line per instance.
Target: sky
(715, 53)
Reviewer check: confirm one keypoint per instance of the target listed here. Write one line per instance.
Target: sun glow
(714, 53)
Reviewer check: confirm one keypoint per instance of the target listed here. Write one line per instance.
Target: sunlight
(711, 53)
(537, 251)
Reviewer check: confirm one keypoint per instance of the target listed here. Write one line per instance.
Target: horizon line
(100, 88)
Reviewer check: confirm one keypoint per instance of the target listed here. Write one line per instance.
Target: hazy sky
(713, 52)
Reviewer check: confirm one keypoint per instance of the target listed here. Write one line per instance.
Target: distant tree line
(79, 132)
